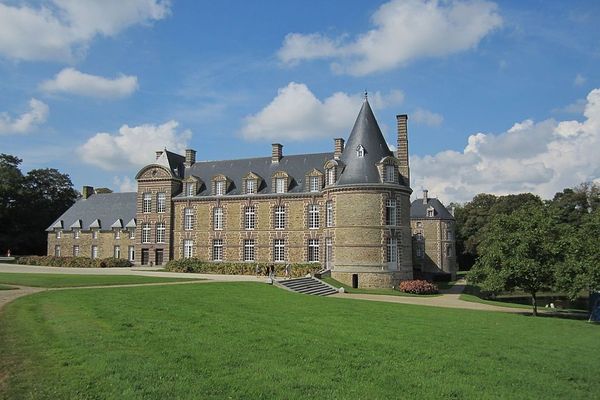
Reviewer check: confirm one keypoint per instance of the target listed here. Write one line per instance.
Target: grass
(474, 299)
(249, 340)
(389, 292)
(72, 280)
(4, 287)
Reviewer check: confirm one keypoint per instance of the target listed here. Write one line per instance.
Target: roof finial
(366, 95)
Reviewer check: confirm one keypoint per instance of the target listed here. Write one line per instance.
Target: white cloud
(133, 146)
(297, 114)
(404, 30)
(540, 157)
(37, 115)
(426, 117)
(59, 29)
(125, 184)
(70, 80)
(579, 80)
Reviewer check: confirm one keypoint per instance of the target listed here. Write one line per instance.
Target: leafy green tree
(519, 250)
(102, 190)
(11, 181)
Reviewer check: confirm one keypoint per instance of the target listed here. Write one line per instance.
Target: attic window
(360, 151)
(251, 186)
(220, 188)
(430, 212)
(191, 189)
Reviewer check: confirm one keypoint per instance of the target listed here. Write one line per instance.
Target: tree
(11, 181)
(102, 190)
(519, 250)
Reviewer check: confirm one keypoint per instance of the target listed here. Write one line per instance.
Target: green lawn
(250, 340)
(389, 292)
(474, 299)
(69, 280)
(4, 287)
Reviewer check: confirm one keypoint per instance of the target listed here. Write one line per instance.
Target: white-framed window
(250, 186)
(146, 233)
(220, 188)
(390, 212)
(249, 250)
(360, 151)
(392, 250)
(188, 248)
(131, 253)
(315, 183)
(331, 176)
(279, 217)
(313, 216)
(191, 189)
(131, 233)
(117, 234)
(76, 234)
(218, 218)
(390, 173)
(94, 251)
(117, 252)
(217, 250)
(161, 202)
(188, 219)
(279, 250)
(147, 202)
(329, 213)
(57, 250)
(430, 212)
(94, 234)
(58, 234)
(280, 184)
(249, 217)
(161, 230)
(76, 250)
(313, 250)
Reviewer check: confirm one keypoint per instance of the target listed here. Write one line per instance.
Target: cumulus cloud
(59, 29)
(125, 184)
(37, 115)
(426, 117)
(133, 146)
(297, 114)
(69, 80)
(404, 30)
(540, 157)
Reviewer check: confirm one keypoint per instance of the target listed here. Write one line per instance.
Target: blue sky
(502, 97)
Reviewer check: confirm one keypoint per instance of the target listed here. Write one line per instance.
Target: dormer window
(430, 212)
(331, 176)
(315, 183)
(360, 151)
(280, 184)
(390, 173)
(58, 234)
(191, 189)
(220, 188)
(251, 186)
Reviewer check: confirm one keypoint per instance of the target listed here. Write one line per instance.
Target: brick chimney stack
(87, 191)
(339, 148)
(158, 154)
(402, 147)
(190, 157)
(425, 197)
(277, 152)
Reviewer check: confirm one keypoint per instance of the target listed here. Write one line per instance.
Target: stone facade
(112, 243)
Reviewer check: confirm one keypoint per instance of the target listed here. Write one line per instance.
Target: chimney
(190, 157)
(158, 154)
(277, 152)
(339, 148)
(87, 191)
(402, 147)
(425, 198)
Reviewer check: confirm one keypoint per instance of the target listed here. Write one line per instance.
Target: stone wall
(106, 242)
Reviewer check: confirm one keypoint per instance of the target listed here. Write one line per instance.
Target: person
(272, 271)
(8, 253)
(288, 270)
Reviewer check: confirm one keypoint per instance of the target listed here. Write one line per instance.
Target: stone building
(348, 210)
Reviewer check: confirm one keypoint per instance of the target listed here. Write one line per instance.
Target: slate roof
(418, 210)
(105, 207)
(173, 161)
(296, 166)
(365, 132)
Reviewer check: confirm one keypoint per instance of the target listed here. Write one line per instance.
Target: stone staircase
(308, 286)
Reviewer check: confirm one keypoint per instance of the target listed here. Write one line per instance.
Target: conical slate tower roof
(365, 133)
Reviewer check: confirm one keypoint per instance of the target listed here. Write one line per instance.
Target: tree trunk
(534, 303)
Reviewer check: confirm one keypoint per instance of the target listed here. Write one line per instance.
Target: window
(250, 218)
(448, 251)
(331, 176)
(250, 186)
(419, 224)
(430, 212)
(449, 234)
(188, 248)
(390, 173)
(117, 252)
(76, 234)
(315, 183)
(58, 234)
(94, 234)
(313, 250)
(279, 220)
(217, 251)
(131, 253)
(94, 252)
(218, 218)
(132, 233)
(161, 205)
(280, 184)
(188, 219)
(360, 151)
(392, 250)
(76, 251)
(419, 250)
(117, 234)
(57, 251)
(220, 188)
(329, 213)
(145, 233)
(313, 216)
(249, 250)
(390, 212)
(191, 189)
(160, 232)
(147, 202)
(279, 250)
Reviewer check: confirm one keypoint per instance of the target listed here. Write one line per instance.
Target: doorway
(145, 256)
(158, 257)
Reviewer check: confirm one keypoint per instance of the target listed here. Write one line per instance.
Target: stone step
(309, 286)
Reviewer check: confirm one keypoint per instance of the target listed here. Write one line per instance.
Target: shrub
(417, 287)
(74, 262)
(241, 268)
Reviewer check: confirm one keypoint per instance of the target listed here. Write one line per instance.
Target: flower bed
(418, 287)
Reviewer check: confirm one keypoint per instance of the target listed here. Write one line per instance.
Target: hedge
(229, 268)
(74, 262)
